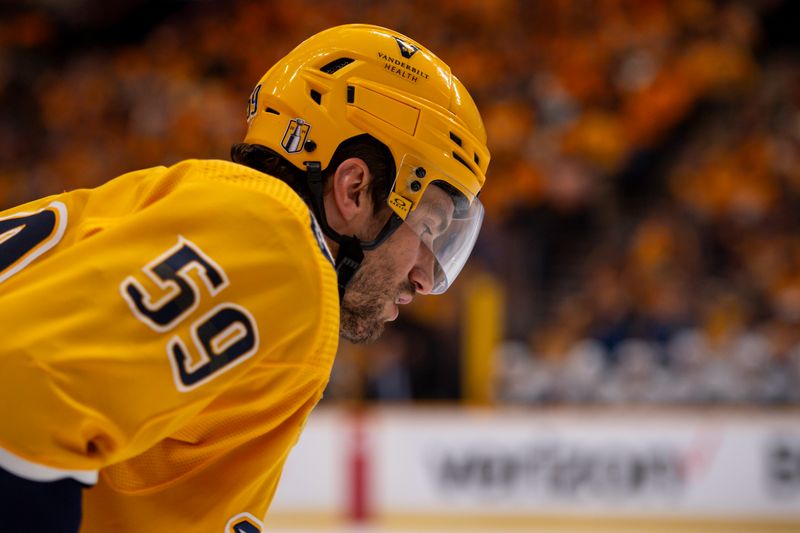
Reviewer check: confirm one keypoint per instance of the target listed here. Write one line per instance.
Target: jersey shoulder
(287, 235)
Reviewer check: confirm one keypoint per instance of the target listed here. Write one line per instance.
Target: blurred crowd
(643, 201)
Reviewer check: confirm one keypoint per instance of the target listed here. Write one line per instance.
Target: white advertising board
(594, 464)
(726, 466)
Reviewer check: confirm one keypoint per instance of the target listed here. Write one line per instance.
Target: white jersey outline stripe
(53, 239)
(35, 472)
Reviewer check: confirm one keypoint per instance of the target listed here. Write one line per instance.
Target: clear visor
(448, 225)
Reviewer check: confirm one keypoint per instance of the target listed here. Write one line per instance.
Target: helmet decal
(296, 134)
(406, 50)
(400, 205)
(252, 103)
(401, 68)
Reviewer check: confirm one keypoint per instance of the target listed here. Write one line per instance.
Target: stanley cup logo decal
(296, 134)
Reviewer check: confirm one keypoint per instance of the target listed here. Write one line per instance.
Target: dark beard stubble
(364, 301)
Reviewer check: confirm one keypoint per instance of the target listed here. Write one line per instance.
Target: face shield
(443, 217)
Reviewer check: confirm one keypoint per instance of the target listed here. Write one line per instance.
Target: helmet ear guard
(360, 79)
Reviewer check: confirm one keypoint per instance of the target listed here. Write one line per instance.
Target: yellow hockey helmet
(361, 79)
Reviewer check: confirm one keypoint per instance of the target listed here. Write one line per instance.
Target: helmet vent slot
(272, 110)
(336, 64)
(461, 160)
(456, 139)
(477, 159)
(351, 94)
(316, 96)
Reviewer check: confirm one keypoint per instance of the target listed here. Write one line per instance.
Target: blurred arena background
(622, 352)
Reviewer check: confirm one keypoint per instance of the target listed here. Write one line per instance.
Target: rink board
(555, 470)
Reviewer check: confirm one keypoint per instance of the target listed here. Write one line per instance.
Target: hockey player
(166, 335)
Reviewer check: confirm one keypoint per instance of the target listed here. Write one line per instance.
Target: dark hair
(374, 153)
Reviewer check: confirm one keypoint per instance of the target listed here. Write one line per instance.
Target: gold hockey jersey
(171, 329)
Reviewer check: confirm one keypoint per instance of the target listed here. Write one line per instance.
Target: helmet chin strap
(351, 249)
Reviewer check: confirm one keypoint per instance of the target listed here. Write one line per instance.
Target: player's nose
(421, 275)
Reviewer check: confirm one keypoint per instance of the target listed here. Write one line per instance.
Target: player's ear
(349, 190)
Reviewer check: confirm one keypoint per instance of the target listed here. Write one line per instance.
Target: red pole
(359, 465)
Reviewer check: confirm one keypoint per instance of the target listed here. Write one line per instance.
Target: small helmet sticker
(399, 204)
(296, 135)
(406, 50)
(252, 103)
